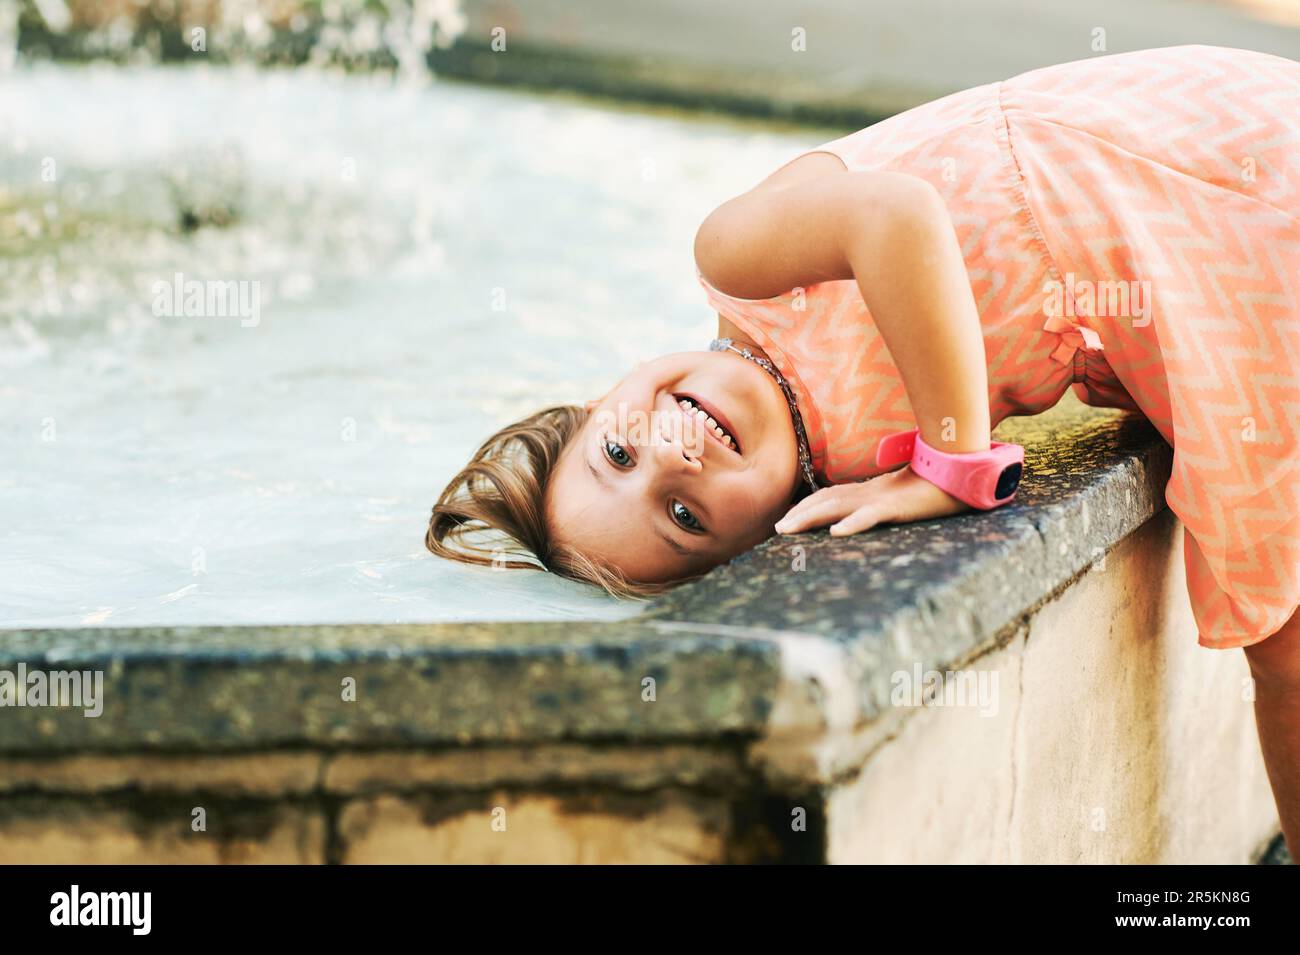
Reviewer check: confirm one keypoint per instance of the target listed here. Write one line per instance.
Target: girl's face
(650, 488)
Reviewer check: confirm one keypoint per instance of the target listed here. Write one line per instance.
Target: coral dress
(1131, 228)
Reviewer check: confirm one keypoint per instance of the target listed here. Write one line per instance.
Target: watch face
(1008, 481)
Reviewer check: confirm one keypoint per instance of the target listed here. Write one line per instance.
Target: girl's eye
(683, 516)
(618, 454)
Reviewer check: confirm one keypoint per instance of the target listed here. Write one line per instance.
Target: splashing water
(395, 33)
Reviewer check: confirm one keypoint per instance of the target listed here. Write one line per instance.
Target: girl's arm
(892, 233)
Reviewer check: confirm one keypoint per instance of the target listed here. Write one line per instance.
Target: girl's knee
(1276, 658)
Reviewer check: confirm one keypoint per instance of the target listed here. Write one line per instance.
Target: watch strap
(974, 477)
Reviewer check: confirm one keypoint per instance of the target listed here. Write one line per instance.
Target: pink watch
(983, 479)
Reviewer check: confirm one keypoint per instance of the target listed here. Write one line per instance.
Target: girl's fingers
(894, 497)
(863, 519)
(838, 494)
(816, 515)
(816, 499)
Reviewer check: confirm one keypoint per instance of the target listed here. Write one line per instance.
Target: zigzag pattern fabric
(1131, 228)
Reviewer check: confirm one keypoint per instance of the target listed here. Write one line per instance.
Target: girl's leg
(1275, 665)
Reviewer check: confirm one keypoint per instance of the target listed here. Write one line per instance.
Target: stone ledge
(523, 829)
(757, 648)
(349, 772)
(622, 767)
(52, 830)
(245, 775)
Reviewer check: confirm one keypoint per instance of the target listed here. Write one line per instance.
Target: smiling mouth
(693, 407)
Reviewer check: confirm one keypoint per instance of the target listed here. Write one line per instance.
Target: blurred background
(440, 216)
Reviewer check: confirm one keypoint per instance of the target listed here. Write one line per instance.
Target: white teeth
(690, 408)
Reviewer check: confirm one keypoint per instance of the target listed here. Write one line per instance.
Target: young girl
(1127, 225)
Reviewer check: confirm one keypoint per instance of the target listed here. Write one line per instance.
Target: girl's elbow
(710, 240)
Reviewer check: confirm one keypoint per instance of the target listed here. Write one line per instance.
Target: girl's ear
(590, 406)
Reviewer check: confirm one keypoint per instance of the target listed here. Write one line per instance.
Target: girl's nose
(676, 449)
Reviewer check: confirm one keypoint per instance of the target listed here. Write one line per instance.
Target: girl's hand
(895, 497)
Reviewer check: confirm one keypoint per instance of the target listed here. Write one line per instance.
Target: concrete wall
(1117, 739)
(551, 804)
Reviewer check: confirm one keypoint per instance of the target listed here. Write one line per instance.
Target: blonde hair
(502, 493)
